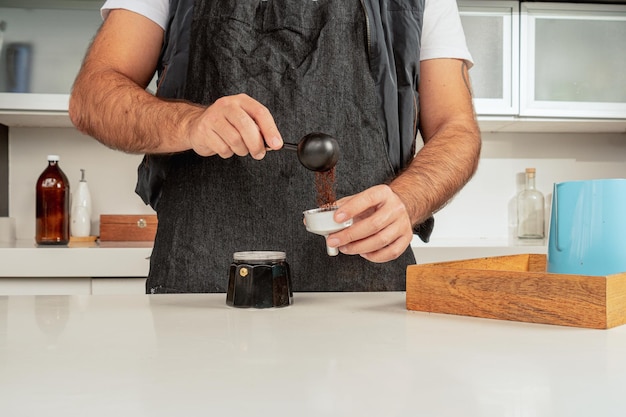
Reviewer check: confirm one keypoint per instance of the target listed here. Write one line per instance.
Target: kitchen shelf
(34, 110)
(32, 102)
(50, 110)
(515, 124)
(14, 118)
(23, 258)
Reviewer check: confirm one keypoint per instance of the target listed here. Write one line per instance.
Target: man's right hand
(234, 125)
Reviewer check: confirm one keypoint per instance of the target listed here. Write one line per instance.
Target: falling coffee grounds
(325, 187)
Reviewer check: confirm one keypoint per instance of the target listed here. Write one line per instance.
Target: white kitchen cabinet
(23, 258)
(110, 268)
(59, 33)
(492, 34)
(72, 286)
(547, 67)
(573, 60)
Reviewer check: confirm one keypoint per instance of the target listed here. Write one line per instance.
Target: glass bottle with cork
(530, 210)
(52, 205)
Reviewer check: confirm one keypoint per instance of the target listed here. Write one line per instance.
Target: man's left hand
(381, 229)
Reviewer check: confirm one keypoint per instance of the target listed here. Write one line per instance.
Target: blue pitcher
(588, 228)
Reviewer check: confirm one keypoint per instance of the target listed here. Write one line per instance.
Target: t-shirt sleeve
(442, 32)
(155, 10)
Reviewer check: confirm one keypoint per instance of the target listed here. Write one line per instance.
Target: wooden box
(128, 227)
(518, 288)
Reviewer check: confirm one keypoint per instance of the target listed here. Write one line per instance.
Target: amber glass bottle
(53, 205)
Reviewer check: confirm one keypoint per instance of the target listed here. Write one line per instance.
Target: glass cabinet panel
(573, 60)
(42, 49)
(492, 33)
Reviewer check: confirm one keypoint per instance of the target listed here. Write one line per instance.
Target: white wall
(485, 207)
(482, 210)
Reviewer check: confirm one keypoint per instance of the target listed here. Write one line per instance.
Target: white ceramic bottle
(80, 225)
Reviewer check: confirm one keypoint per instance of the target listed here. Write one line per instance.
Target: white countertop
(23, 258)
(443, 250)
(329, 354)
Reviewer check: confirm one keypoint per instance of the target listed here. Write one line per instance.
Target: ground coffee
(325, 187)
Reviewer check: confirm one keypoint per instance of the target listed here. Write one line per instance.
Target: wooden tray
(517, 288)
(82, 241)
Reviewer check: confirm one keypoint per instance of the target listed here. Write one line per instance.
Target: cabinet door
(45, 47)
(573, 60)
(54, 36)
(492, 34)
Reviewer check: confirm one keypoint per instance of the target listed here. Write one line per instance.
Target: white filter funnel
(320, 221)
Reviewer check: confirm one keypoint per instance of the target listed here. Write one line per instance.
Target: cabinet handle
(141, 223)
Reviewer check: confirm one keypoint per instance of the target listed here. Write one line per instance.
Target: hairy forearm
(122, 115)
(439, 170)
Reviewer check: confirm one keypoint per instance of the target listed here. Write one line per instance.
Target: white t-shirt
(442, 33)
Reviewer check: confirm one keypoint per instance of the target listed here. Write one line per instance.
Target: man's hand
(381, 230)
(234, 125)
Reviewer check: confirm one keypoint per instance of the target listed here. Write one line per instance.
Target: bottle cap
(530, 170)
(53, 157)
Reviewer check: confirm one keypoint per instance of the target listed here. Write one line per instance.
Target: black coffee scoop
(316, 151)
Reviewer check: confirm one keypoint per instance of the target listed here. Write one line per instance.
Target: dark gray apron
(307, 62)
